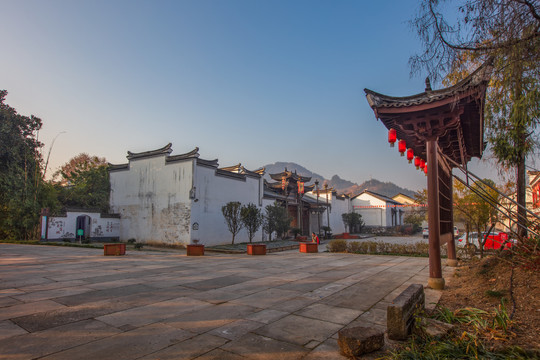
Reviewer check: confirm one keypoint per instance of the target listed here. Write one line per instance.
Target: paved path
(75, 303)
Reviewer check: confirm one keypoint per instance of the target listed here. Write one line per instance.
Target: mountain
(342, 186)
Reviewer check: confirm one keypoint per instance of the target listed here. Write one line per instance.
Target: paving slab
(329, 313)
(11, 312)
(75, 303)
(9, 329)
(299, 330)
(188, 349)
(259, 347)
(42, 343)
(127, 345)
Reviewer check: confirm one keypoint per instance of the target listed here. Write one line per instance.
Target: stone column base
(436, 283)
(451, 262)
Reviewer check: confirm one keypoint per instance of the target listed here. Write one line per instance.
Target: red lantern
(422, 164)
(425, 170)
(402, 147)
(417, 162)
(392, 136)
(410, 155)
(283, 183)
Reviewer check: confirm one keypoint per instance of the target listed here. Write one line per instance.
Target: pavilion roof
(454, 115)
(290, 175)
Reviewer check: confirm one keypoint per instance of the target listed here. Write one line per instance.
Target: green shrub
(132, 241)
(337, 245)
(138, 246)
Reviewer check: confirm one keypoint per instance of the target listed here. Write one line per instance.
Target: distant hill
(342, 186)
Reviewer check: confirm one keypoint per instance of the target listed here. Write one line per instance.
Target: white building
(378, 210)
(175, 199)
(77, 224)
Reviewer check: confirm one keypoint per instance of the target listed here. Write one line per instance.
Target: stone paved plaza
(74, 303)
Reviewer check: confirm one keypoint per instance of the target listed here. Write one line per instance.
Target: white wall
(212, 193)
(339, 207)
(376, 216)
(152, 199)
(64, 227)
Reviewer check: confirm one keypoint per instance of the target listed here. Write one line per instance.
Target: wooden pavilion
(443, 128)
(291, 187)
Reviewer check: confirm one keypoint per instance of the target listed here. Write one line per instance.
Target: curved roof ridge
(480, 75)
(166, 150)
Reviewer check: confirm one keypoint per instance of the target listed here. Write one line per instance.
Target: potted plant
(256, 249)
(195, 249)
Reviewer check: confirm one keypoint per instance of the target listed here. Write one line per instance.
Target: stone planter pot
(195, 250)
(256, 249)
(309, 248)
(114, 249)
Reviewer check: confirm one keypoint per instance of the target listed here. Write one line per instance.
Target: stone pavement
(75, 303)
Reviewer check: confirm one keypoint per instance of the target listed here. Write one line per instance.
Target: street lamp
(318, 213)
(327, 208)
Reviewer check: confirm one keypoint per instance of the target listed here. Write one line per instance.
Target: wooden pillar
(435, 280)
(451, 245)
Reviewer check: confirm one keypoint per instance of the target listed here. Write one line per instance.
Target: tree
(84, 182)
(252, 219)
(353, 221)
(415, 219)
(231, 213)
(22, 190)
(475, 207)
(506, 33)
(276, 219)
(76, 165)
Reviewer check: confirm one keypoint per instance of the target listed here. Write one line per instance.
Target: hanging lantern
(417, 162)
(402, 147)
(392, 137)
(422, 163)
(410, 155)
(283, 183)
(425, 170)
(300, 187)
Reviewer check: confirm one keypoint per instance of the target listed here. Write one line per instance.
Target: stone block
(359, 340)
(400, 314)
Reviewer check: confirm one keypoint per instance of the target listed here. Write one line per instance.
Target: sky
(246, 81)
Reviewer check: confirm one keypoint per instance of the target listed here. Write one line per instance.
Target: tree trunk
(521, 186)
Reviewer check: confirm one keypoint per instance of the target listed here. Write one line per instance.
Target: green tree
(506, 33)
(276, 219)
(22, 189)
(84, 182)
(231, 213)
(353, 221)
(252, 219)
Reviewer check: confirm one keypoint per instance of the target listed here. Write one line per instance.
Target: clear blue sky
(247, 81)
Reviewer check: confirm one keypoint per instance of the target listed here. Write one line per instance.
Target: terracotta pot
(114, 249)
(309, 248)
(195, 250)
(256, 249)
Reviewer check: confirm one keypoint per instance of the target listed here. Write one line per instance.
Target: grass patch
(478, 330)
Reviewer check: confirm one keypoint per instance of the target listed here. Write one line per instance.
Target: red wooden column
(435, 281)
(451, 245)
